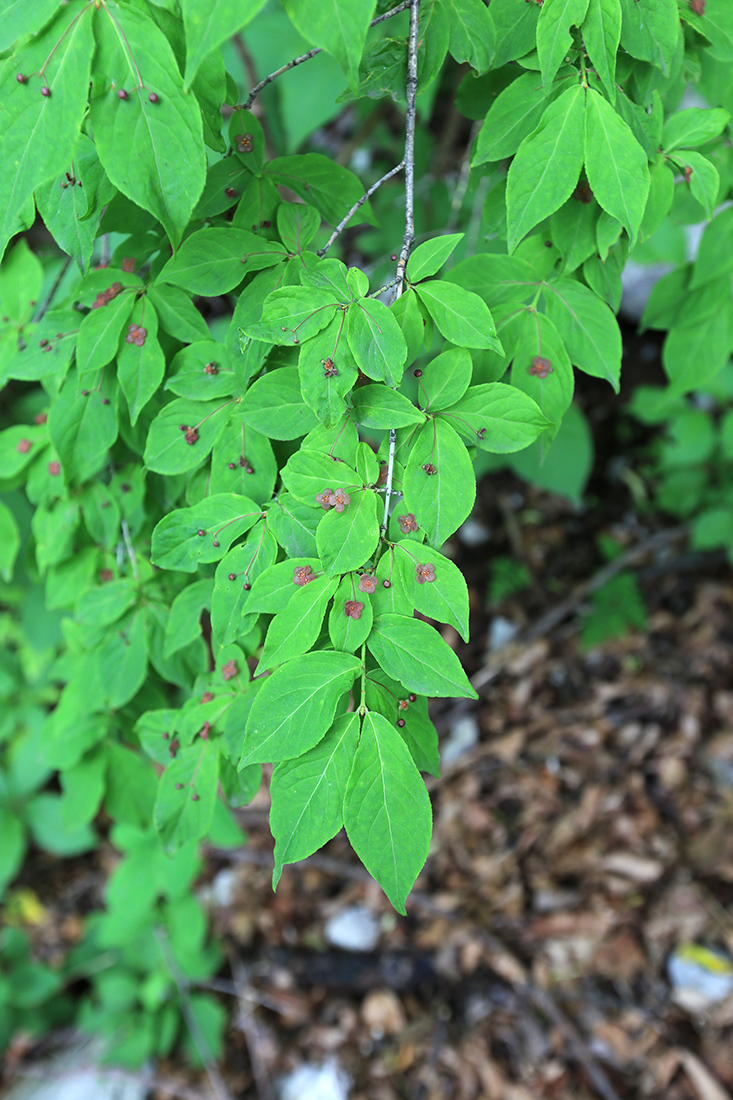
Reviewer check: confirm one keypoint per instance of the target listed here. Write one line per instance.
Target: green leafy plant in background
(227, 516)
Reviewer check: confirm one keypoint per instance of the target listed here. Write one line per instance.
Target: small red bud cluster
(106, 296)
(333, 498)
(136, 335)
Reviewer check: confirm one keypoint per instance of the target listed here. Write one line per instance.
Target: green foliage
(225, 453)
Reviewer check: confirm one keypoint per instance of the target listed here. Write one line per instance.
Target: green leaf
(166, 448)
(650, 32)
(714, 256)
(255, 467)
(516, 29)
(178, 544)
(695, 353)
(566, 467)
(444, 598)
(418, 657)
(387, 810)
(209, 23)
(83, 428)
(184, 805)
(553, 33)
(428, 258)
(243, 565)
(381, 407)
(617, 167)
(214, 261)
(63, 207)
(376, 341)
(712, 528)
(21, 278)
(346, 632)
(513, 115)
(202, 371)
(18, 19)
(444, 379)
(433, 36)
(703, 177)
(419, 734)
(140, 370)
(573, 231)
(693, 126)
(83, 787)
(297, 225)
(152, 152)
(177, 313)
(274, 406)
(184, 622)
(294, 630)
(9, 543)
(105, 605)
(337, 26)
(472, 34)
(294, 526)
(325, 384)
(588, 328)
(509, 419)
(495, 278)
(99, 333)
(308, 794)
(13, 846)
(309, 473)
(318, 180)
(345, 541)
(544, 173)
(540, 339)
(443, 499)
(123, 660)
(292, 314)
(294, 708)
(273, 590)
(601, 35)
(40, 133)
(460, 315)
(45, 821)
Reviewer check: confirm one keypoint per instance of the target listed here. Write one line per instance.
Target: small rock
(308, 1082)
(463, 736)
(353, 929)
(382, 1013)
(473, 533)
(501, 632)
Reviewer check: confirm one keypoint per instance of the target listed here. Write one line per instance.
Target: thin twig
(130, 549)
(221, 1092)
(312, 53)
(251, 1029)
(367, 195)
(411, 111)
(52, 292)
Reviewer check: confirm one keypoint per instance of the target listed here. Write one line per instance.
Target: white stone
(699, 977)
(353, 929)
(463, 736)
(501, 632)
(473, 533)
(72, 1075)
(309, 1082)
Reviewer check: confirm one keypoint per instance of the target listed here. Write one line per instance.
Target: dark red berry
(215, 542)
(201, 533)
(79, 183)
(417, 373)
(246, 586)
(265, 224)
(183, 427)
(232, 576)
(194, 797)
(248, 470)
(42, 343)
(393, 256)
(45, 91)
(179, 786)
(153, 98)
(413, 698)
(400, 722)
(166, 736)
(105, 401)
(122, 94)
(232, 465)
(230, 192)
(386, 584)
(85, 393)
(21, 78)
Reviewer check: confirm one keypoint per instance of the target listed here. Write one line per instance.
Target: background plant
(229, 453)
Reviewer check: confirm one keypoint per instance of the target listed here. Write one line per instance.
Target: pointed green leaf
(140, 370)
(418, 657)
(601, 33)
(387, 810)
(651, 32)
(274, 406)
(442, 496)
(445, 596)
(214, 261)
(381, 407)
(83, 428)
(184, 805)
(376, 341)
(544, 173)
(345, 541)
(553, 33)
(551, 388)
(202, 533)
(348, 627)
(513, 115)
(428, 258)
(318, 180)
(444, 379)
(209, 23)
(294, 630)
(588, 328)
(617, 167)
(294, 708)
(460, 315)
(337, 26)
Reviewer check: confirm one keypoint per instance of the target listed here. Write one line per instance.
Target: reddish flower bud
(393, 257)
(353, 609)
(541, 367)
(367, 583)
(302, 575)
(191, 436)
(23, 446)
(179, 786)
(204, 731)
(211, 368)
(229, 670)
(201, 533)
(207, 697)
(407, 523)
(194, 797)
(128, 264)
(246, 586)
(425, 573)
